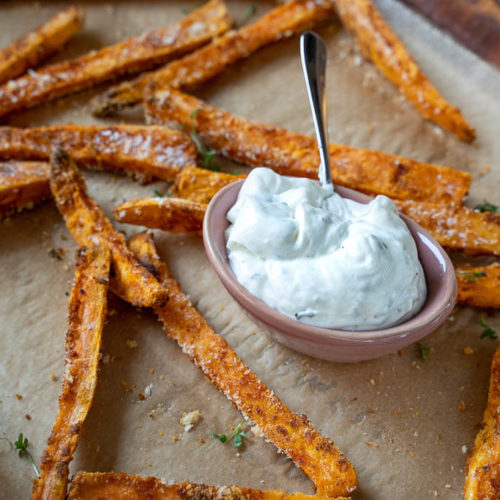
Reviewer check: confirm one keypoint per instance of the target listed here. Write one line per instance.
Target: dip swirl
(322, 259)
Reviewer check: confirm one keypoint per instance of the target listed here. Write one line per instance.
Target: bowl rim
(217, 256)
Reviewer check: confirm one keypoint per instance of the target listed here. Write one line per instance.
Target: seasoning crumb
(372, 444)
(151, 371)
(131, 343)
(468, 350)
(149, 464)
(462, 406)
(438, 436)
(53, 377)
(124, 384)
(141, 396)
(19, 396)
(202, 441)
(189, 420)
(27, 416)
(176, 438)
(161, 433)
(411, 454)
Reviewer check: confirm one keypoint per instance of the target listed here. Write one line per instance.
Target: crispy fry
(479, 286)
(294, 154)
(211, 60)
(457, 228)
(143, 151)
(129, 57)
(320, 459)
(86, 315)
(482, 481)
(100, 485)
(170, 214)
(89, 225)
(30, 50)
(22, 185)
(200, 184)
(379, 44)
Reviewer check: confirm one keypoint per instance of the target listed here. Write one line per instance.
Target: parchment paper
(396, 418)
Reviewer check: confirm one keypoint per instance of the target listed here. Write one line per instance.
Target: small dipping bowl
(328, 343)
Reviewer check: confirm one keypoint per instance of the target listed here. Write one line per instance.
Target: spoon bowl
(326, 343)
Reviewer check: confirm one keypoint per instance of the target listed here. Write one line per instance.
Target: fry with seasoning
(89, 226)
(293, 434)
(86, 316)
(290, 153)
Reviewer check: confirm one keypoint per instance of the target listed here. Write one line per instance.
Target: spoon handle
(313, 57)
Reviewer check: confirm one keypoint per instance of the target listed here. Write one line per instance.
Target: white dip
(322, 259)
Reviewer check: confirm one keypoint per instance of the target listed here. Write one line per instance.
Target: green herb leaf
(235, 172)
(194, 113)
(157, 193)
(236, 434)
(55, 254)
(424, 351)
(207, 155)
(20, 445)
(488, 332)
(470, 275)
(249, 12)
(486, 206)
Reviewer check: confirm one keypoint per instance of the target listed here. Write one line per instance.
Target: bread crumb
(27, 416)
(468, 350)
(372, 381)
(462, 406)
(131, 343)
(176, 438)
(372, 444)
(151, 371)
(53, 377)
(411, 454)
(202, 441)
(189, 420)
(19, 396)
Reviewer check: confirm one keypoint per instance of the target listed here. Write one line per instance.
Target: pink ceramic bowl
(325, 343)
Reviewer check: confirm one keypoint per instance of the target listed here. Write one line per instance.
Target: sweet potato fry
(320, 459)
(457, 228)
(22, 185)
(89, 225)
(143, 151)
(101, 485)
(482, 481)
(30, 50)
(200, 184)
(294, 154)
(379, 44)
(211, 60)
(479, 286)
(86, 315)
(169, 214)
(132, 56)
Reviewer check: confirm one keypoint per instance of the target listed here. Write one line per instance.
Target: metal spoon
(313, 57)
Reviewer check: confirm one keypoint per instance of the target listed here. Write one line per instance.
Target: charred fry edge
(89, 225)
(289, 153)
(126, 58)
(91, 486)
(86, 315)
(379, 44)
(30, 50)
(144, 152)
(169, 214)
(483, 467)
(479, 286)
(293, 434)
(211, 60)
(22, 185)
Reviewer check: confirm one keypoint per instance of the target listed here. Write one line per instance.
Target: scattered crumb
(372, 381)
(148, 390)
(400, 352)
(438, 436)
(106, 358)
(149, 465)
(189, 420)
(111, 312)
(468, 350)
(464, 449)
(151, 370)
(131, 343)
(19, 396)
(411, 454)
(161, 433)
(462, 406)
(202, 441)
(27, 416)
(447, 486)
(124, 384)
(372, 444)
(141, 396)
(176, 438)
(53, 377)
(66, 267)
(256, 431)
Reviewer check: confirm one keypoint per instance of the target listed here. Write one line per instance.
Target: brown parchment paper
(398, 419)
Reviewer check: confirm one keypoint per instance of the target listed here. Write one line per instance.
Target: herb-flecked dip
(322, 259)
